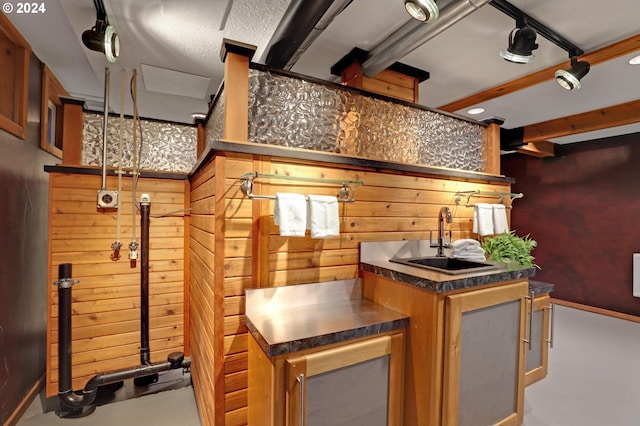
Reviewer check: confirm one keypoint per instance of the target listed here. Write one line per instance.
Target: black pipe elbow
(72, 400)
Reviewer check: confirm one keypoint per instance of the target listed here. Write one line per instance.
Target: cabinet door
(356, 384)
(537, 355)
(484, 356)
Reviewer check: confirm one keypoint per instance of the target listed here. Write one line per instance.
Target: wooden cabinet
(537, 356)
(463, 348)
(484, 356)
(359, 382)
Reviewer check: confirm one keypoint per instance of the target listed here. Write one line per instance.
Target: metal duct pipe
(301, 24)
(415, 33)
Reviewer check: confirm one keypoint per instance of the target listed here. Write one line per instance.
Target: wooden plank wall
(251, 253)
(106, 302)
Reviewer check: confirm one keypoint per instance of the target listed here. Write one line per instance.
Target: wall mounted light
(102, 37)
(570, 79)
(522, 43)
(422, 10)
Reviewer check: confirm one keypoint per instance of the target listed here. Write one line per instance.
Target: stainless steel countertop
(281, 325)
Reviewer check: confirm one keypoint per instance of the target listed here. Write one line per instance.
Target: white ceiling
(185, 36)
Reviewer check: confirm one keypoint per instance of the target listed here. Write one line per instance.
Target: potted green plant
(510, 249)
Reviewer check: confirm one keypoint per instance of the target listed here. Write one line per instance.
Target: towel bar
(500, 195)
(345, 195)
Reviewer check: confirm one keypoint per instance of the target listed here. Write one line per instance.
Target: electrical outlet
(107, 199)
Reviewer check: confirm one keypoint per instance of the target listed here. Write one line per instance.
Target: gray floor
(594, 380)
(594, 374)
(170, 401)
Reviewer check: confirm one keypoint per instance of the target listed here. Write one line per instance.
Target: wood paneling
(235, 245)
(106, 302)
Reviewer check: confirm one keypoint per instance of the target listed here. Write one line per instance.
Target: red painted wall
(583, 208)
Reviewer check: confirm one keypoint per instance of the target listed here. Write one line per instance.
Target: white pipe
(104, 129)
(133, 246)
(123, 76)
(414, 34)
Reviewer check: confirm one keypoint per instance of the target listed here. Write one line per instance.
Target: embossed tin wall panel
(293, 112)
(215, 123)
(168, 147)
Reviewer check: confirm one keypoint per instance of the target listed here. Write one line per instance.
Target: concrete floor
(170, 401)
(594, 370)
(594, 373)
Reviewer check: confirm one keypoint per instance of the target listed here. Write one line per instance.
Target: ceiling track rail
(546, 32)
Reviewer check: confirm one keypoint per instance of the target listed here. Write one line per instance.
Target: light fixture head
(422, 10)
(570, 79)
(103, 38)
(522, 43)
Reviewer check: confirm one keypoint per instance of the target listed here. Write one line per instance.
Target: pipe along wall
(72, 403)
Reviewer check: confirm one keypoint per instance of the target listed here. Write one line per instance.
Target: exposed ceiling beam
(607, 53)
(540, 149)
(603, 118)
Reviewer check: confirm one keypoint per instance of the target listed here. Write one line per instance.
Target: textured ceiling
(185, 36)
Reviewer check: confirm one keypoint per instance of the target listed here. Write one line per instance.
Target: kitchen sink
(447, 265)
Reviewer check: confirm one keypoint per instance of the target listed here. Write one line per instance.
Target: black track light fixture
(102, 37)
(570, 79)
(422, 10)
(522, 43)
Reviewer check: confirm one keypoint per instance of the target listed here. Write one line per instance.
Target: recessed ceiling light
(635, 60)
(475, 111)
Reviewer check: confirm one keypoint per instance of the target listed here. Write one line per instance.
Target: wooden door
(538, 355)
(359, 383)
(484, 356)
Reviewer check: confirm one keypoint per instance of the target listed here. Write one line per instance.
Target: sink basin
(447, 265)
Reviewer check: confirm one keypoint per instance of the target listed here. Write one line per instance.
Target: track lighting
(570, 79)
(422, 10)
(103, 38)
(522, 43)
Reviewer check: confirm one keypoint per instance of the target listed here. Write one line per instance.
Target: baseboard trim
(26, 401)
(595, 310)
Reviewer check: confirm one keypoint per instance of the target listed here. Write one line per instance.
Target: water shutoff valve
(133, 250)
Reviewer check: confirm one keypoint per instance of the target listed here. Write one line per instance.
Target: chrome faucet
(445, 212)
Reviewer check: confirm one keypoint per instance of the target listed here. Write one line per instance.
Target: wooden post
(236, 57)
(399, 81)
(492, 146)
(201, 138)
(72, 125)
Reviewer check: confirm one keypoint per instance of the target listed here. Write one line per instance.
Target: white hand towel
(470, 251)
(290, 213)
(483, 219)
(465, 243)
(500, 225)
(324, 219)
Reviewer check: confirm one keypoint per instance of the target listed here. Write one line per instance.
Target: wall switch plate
(107, 199)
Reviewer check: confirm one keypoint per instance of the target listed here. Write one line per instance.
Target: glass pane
(296, 113)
